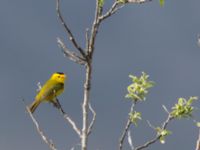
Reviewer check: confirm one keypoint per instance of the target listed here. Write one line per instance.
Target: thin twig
(93, 119)
(198, 142)
(39, 130)
(128, 124)
(118, 5)
(166, 110)
(69, 120)
(73, 124)
(157, 137)
(121, 141)
(112, 10)
(71, 55)
(138, 1)
(130, 142)
(150, 125)
(71, 37)
(87, 39)
(94, 30)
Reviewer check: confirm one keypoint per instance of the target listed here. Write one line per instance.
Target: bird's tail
(33, 106)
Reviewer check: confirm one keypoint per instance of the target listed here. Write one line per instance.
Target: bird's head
(59, 76)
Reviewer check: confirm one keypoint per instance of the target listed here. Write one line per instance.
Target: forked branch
(93, 119)
(71, 37)
(126, 129)
(157, 137)
(116, 5)
(68, 53)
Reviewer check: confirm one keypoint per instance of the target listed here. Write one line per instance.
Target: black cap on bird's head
(61, 73)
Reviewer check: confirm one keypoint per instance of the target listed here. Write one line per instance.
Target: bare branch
(93, 119)
(85, 106)
(87, 39)
(198, 40)
(130, 142)
(150, 125)
(94, 31)
(128, 124)
(148, 143)
(157, 137)
(121, 141)
(138, 1)
(116, 6)
(97, 20)
(71, 55)
(73, 124)
(198, 142)
(166, 110)
(41, 133)
(69, 120)
(71, 37)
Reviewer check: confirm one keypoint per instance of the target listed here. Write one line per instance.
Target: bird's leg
(57, 104)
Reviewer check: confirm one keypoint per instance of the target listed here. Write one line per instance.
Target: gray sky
(161, 41)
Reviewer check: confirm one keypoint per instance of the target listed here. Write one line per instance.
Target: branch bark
(93, 119)
(128, 124)
(41, 133)
(198, 142)
(112, 10)
(87, 58)
(85, 107)
(157, 137)
(70, 121)
(71, 55)
(71, 37)
(137, 1)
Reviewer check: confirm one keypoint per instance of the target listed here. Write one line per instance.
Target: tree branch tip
(26, 106)
(166, 110)
(150, 125)
(93, 119)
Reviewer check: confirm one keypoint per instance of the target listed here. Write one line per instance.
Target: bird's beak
(63, 76)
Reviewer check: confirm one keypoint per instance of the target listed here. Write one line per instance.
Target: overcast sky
(162, 41)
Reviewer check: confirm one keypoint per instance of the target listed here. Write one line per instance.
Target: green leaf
(162, 133)
(198, 124)
(101, 3)
(139, 87)
(134, 117)
(162, 2)
(184, 108)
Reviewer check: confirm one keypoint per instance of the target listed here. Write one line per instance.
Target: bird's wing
(49, 88)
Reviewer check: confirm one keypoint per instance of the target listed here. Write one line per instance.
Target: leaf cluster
(139, 87)
(184, 108)
(134, 117)
(162, 133)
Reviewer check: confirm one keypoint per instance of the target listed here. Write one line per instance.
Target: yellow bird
(50, 90)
